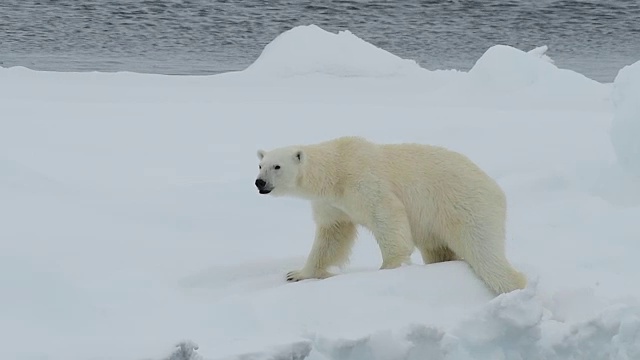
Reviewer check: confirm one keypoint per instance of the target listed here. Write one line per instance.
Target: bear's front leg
(331, 247)
(390, 227)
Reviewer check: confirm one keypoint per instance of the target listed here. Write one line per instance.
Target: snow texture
(131, 228)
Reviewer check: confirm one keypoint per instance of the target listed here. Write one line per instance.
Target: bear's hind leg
(484, 252)
(331, 247)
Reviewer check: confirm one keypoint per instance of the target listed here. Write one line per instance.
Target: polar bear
(408, 195)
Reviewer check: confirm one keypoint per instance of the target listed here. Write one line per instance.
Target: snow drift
(131, 228)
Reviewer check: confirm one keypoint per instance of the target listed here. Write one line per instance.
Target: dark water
(595, 38)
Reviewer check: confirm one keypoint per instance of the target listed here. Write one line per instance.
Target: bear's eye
(259, 166)
(277, 167)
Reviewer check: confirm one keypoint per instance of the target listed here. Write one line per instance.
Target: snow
(625, 130)
(131, 228)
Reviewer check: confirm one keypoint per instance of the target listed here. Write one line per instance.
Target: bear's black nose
(260, 183)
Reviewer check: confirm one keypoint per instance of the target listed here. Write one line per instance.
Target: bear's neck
(319, 178)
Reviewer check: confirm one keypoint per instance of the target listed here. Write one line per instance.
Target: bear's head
(279, 170)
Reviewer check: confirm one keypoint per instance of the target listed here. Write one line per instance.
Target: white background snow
(130, 222)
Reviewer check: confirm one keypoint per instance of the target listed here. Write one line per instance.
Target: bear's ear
(299, 156)
(260, 154)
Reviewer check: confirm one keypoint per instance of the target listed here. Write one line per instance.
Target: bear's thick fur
(406, 194)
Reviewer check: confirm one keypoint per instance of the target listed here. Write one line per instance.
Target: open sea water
(595, 38)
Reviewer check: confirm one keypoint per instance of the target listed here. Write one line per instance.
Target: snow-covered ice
(131, 228)
(309, 50)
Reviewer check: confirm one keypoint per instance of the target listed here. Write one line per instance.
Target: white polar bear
(406, 194)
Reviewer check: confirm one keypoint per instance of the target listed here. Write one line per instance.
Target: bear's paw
(297, 275)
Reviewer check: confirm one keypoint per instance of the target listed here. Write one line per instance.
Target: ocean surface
(595, 38)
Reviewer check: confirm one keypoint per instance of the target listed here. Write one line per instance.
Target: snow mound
(347, 306)
(510, 326)
(310, 49)
(505, 68)
(625, 127)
